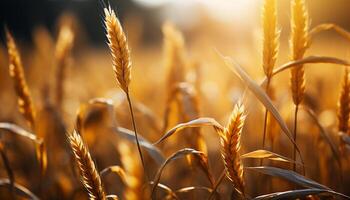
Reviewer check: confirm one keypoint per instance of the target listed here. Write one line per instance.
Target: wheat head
(230, 146)
(119, 49)
(344, 104)
(299, 43)
(88, 172)
(25, 103)
(271, 36)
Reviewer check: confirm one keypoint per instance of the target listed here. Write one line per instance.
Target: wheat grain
(230, 145)
(25, 103)
(119, 49)
(89, 175)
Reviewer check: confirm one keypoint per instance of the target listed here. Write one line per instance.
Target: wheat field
(200, 114)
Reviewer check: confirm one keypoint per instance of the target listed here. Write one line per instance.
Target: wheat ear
(89, 175)
(344, 104)
(121, 64)
(16, 72)
(230, 145)
(63, 47)
(299, 43)
(119, 49)
(270, 48)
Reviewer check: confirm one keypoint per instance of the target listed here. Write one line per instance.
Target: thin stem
(221, 178)
(136, 135)
(8, 169)
(265, 119)
(295, 136)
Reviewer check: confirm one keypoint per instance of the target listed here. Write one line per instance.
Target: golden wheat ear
(88, 172)
(344, 104)
(119, 49)
(16, 71)
(270, 37)
(230, 142)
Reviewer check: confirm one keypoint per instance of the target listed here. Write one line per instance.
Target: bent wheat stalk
(89, 175)
(270, 49)
(299, 43)
(121, 64)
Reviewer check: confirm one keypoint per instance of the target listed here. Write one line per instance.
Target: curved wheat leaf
(288, 175)
(191, 124)
(19, 189)
(296, 194)
(269, 155)
(115, 169)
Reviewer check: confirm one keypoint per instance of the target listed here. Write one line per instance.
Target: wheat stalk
(230, 145)
(270, 48)
(299, 43)
(89, 175)
(63, 47)
(25, 103)
(344, 104)
(121, 64)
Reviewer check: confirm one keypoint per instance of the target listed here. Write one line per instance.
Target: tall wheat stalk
(121, 63)
(230, 141)
(89, 175)
(270, 49)
(25, 103)
(299, 43)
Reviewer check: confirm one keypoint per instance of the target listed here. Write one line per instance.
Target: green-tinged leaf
(115, 169)
(295, 194)
(153, 151)
(324, 134)
(179, 154)
(262, 97)
(288, 175)
(19, 189)
(269, 155)
(191, 124)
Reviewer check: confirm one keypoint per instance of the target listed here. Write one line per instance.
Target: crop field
(253, 108)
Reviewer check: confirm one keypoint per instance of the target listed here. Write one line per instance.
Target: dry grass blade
(262, 97)
(153, 151)
(7, 166)
(288, 175)
(170, 193)
(194, 188)
(300, 194)
(19, 189)
(194, 123)
(25, 103)
(112, 196)
(324, 134)
(269, 155)
(38, 142)
(115, 169)
(344, 104)
(179, 154)
(324, 27)
(230, 141)
(89, 175)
